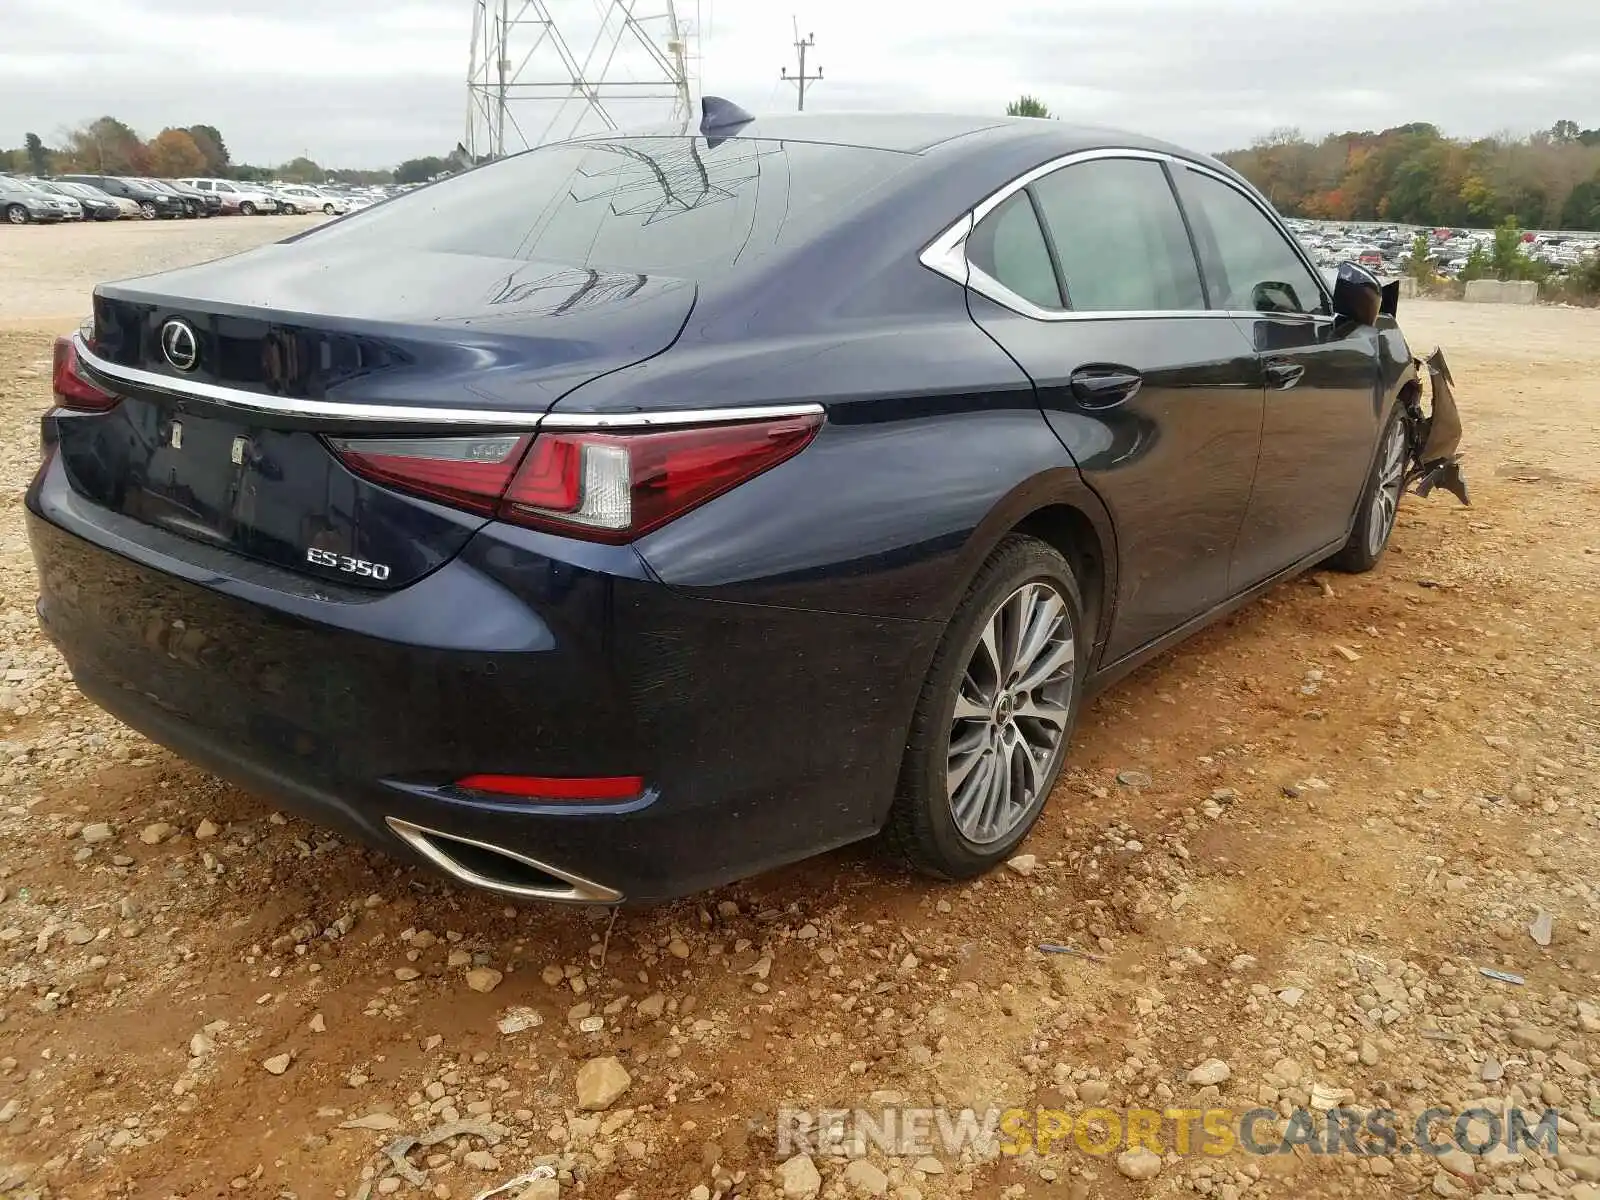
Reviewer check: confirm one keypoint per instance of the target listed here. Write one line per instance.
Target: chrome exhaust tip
(492, 868)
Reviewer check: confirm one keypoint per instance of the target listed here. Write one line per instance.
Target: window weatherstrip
(1063, 290)
(946, 253)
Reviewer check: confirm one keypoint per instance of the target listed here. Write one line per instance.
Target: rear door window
(1009, 247)
(1119, 237)
(1250, 265)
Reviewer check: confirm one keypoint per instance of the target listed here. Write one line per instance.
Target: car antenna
(721, 116)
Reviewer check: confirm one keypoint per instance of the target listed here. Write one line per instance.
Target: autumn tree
(1027, 106)
(1477, 265)
(210, 143)
(108, 147)
(1582, 209)
(1420, 267)
(420, 170)
(38, 156)
(174, 154)
(301, 170)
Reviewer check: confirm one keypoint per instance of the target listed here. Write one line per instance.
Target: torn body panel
(1434, 437)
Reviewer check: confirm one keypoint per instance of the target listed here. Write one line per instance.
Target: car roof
(921, 133)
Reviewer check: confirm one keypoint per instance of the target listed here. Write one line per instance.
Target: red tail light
(543, 787)
(463, 472)
(603, 486)
(72, 389)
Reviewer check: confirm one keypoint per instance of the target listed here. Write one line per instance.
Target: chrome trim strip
(579, 891)
(946, 253)
(333, 410)
(673, 417)
(289, 406)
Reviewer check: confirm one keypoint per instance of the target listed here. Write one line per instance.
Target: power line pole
(801, 45)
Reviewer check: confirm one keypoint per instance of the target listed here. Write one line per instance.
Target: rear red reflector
(71, 389)
(602, 486)
(543, 787)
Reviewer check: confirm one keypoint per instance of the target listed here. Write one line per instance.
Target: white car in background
(236, 197)
(306, 198)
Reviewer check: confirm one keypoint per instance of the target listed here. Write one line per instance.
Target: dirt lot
(1333, 810)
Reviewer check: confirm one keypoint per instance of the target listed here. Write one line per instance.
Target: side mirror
(1357, 294)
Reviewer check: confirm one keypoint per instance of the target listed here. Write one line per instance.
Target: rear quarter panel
(934, 446)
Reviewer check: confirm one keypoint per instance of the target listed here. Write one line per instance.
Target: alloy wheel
(1011, 712)
(1386, 496)
(17, 215)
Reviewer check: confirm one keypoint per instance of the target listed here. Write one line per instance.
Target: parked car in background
(560, 535)
(96, 204)
(307, 198)
(192, 203)
(210, 203)
(21, 202)
(152, 202)
(74, 206)
(243, 198)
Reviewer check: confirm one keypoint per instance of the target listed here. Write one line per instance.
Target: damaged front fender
(1434, 436)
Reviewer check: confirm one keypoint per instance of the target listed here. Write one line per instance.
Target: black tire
(1366, 545)
(16, 214)
(922, 828)
(247, 209)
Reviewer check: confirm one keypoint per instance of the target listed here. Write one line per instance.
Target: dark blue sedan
(633, 514)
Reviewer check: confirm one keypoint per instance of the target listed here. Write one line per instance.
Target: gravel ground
(1290, 848)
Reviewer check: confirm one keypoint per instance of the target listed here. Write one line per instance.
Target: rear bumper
(763, 734)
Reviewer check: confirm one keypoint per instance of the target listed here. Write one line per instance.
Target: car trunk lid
(232, 382)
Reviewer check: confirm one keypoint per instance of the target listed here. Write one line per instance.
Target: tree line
(108, 146)
(1415, 175)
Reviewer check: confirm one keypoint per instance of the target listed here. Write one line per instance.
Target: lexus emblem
(178, 345)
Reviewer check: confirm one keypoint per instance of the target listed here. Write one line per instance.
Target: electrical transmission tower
(800, 78)
(527, 85)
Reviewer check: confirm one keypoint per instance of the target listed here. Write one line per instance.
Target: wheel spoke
(1022, 754)
(968, 709)
(1031, 709)
(1045, 618)
(995, 794)
(973, 790)
(958, 772)
(1047, 666)
(1012, 615)
(989, 645)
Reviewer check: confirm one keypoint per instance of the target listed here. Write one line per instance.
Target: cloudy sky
(370, 82)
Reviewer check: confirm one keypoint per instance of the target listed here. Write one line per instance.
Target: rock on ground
(600, 1082)
(1139, 1164)
(799, 1179)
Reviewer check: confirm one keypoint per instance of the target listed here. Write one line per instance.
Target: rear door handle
(1283, 374)
(1105, 387)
